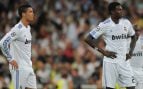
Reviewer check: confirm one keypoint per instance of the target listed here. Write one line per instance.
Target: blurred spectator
(77, 79)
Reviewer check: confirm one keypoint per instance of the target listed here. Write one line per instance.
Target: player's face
(118, 12)
(29, 15)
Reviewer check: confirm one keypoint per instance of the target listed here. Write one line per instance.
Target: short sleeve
(131, 30)
(97, 31)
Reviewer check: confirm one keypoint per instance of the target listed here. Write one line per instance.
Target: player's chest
(25, 37)
(117, 30)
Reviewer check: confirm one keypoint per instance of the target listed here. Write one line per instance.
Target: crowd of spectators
(61, 60)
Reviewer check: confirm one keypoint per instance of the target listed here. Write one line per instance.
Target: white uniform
(115, 36)
(16, 45)
(137, 62)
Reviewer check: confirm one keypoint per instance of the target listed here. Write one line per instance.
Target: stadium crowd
(61, 59)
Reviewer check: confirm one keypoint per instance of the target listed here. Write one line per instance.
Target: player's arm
(92, 40)
(132, 43)
(5, 46)
(132, 46)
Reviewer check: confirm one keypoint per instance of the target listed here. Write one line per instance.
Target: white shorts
(138, 75)
(120, 73)
(23, 78)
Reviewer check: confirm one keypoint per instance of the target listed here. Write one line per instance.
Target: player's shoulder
(105, 23)
(125, 21)
(18, 26)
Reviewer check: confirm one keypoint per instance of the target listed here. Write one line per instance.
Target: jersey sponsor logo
(27, 41)
(138, 54)
(118, 37)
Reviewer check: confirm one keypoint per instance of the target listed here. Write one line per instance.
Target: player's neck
(115, 20)
(25, 22)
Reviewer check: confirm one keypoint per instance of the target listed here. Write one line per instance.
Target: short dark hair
(112, 6)
(22, 9)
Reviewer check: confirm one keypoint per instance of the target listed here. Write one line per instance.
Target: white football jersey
(16, 45)
(137, 58)
(115, 37)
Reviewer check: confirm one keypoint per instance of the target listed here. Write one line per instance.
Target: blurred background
(61, 60)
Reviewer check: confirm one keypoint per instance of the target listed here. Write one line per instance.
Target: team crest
(125, 29)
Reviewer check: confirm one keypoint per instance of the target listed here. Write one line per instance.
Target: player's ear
(112, 12)
(23, 14)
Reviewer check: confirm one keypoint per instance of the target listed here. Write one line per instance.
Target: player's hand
(110, 54)
(128, 56)
(14, 64)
